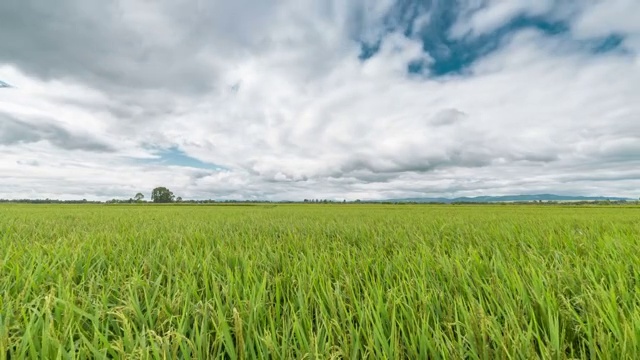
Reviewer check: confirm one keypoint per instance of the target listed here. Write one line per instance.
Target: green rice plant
(319, 282)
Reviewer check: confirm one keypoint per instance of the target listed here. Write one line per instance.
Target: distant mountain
(510, 198)
(4, 84)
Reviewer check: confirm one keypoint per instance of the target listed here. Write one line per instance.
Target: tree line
(163, 195)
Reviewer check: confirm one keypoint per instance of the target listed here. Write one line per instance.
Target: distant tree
(162, 195)
(139, 197)
(178, 199)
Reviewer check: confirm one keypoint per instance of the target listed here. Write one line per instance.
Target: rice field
(319, 282)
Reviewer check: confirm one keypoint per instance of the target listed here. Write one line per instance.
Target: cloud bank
(305, 99)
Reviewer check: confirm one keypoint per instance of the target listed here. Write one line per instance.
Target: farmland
(319, 281)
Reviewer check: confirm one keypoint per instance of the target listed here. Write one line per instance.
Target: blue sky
(176, 157)
(451, 56)
(306, 99)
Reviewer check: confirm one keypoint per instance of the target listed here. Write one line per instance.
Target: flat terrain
(319, 281)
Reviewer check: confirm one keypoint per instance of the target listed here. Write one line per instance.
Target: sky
(333, 99)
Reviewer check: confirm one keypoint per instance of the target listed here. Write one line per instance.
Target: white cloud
(283, 102)
(483, 17)
(618, 17)
(605, 17)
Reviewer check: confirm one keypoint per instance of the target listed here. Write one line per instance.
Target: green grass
(319, 282)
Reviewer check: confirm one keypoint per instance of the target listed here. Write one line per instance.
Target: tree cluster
(162, 195)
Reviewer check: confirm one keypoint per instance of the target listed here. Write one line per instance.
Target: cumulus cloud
(478, 18)
(14, 131)
(281, 99)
